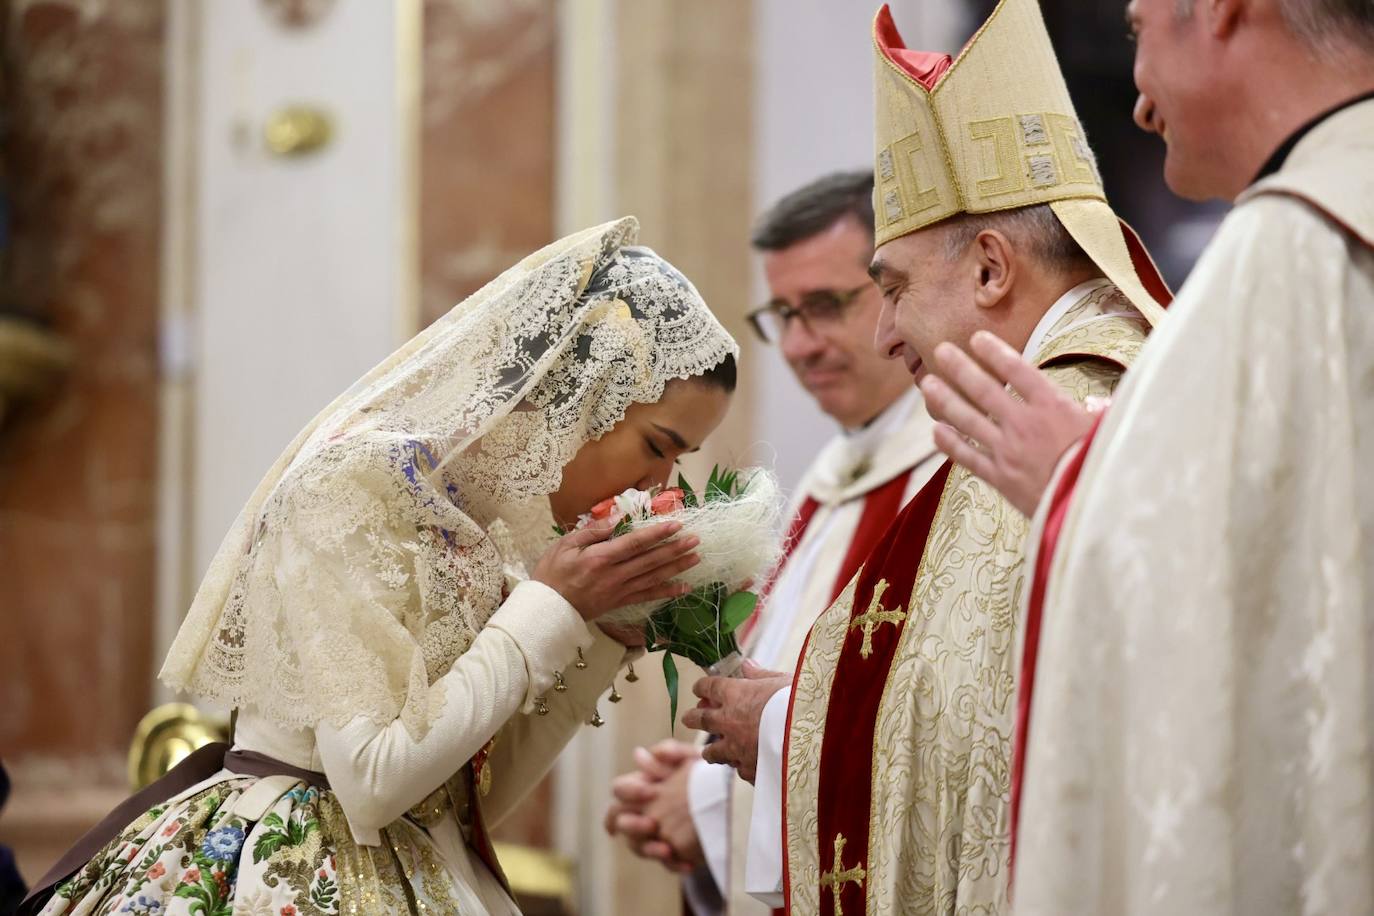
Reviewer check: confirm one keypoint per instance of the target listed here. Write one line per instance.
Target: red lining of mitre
(925, 67)
(1144, 265)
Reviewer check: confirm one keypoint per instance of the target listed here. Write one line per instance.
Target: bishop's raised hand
(1013, 443)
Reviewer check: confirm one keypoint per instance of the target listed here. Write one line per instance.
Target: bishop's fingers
(984, 391)
(1011, 368)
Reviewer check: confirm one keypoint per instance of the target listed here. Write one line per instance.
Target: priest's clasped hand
(730, 709)
(652, 810)
(1012, 444)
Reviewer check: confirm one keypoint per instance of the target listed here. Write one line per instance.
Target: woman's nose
(658, 476)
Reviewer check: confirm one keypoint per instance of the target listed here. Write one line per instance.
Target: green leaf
(737, 609)
(670, 675)
(267, 844)
(623, 526)
(689, 496)
(558, 531)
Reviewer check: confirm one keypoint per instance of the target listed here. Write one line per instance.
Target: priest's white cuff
(763, 865)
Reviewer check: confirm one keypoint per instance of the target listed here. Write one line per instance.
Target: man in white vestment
(1199, 733)
(816, 244)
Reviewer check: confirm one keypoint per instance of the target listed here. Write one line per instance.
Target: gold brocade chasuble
(899, 736)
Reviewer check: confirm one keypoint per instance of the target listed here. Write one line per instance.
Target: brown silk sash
(877, 619)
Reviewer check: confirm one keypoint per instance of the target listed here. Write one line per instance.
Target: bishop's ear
(994, 265)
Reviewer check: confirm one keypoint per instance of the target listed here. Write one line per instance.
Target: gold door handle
(298, 130)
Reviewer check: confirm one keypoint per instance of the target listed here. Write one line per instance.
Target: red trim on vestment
(1044, 560)
(880, 513)
(795, 532)
(880, 508)
(847, 750)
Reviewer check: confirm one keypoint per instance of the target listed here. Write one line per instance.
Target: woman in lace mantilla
(407, 644)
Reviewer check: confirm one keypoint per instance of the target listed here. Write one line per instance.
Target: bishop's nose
(1146, 115)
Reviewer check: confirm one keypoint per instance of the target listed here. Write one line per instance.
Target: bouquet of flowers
(737, 516)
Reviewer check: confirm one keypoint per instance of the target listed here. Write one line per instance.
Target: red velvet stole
(880, 508)
(846, 765)
(1060, 503)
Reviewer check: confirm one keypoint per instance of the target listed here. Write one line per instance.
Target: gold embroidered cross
(839, 876)
(874, 617)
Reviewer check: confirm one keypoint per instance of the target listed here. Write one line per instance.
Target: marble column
(77, 467)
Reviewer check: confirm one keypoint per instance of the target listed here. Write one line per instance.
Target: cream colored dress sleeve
(379, 771)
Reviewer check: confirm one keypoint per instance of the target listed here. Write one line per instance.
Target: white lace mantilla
(362, 565)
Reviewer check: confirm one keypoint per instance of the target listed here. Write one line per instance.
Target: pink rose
(157, 871)
(603, 509)
(171, 828)
(288, 910)
(668, 501)
(322, 873)
(191, 876)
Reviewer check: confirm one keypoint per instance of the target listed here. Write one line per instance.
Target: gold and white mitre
(993, 130)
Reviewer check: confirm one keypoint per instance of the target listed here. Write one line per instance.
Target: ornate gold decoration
(581, 663)
(630, 676)
(875, 617)
(596, 721)
(838, 876)
(558, 684)
(298, 130)
(997, 132)
(166, 736)
(615, 696)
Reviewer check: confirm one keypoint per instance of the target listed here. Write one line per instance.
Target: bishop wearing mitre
(884, 769)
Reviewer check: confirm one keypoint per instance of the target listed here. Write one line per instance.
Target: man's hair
(1322, 24)
(812, 209)
(1035, 229)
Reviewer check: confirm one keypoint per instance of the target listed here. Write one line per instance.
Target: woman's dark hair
(721, 375)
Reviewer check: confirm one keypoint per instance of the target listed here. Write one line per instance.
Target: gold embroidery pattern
(942, 748)
(838, 876)
(810, 699)
(875, 617)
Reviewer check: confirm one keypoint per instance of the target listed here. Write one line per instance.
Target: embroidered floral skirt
(196, 856)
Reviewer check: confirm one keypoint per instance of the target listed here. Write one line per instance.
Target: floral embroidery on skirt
(195, 857)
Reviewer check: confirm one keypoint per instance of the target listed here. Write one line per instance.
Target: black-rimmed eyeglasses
(817, 309)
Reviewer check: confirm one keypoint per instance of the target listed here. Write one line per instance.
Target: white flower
(634, 503)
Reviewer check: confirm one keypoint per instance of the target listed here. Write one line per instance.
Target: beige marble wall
(487, 144)
(77, 468)
(486, 176)
(683, 114)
